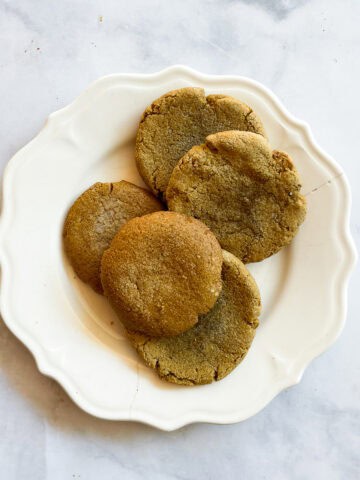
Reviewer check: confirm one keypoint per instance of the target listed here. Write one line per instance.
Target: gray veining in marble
(280, 9)
(307, 52)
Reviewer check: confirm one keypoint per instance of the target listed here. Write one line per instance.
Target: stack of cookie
(171, 262)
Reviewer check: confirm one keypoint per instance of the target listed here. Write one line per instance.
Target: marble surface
(307, 52)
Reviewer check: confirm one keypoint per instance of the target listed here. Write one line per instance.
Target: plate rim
(45, 365)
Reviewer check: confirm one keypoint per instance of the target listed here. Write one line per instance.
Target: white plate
(73, 333)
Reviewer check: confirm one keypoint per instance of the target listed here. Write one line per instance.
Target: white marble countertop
(307, 52)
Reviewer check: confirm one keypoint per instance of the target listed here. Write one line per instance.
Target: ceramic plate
(73, 333)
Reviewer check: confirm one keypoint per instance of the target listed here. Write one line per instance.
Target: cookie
(180, 119)
(161, 272)
(247, 194)
(218, 342)
(94, 219)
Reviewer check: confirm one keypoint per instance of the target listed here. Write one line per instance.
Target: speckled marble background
(307, 52)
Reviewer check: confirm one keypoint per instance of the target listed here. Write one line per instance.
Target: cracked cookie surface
(177, 121)
(217, 344)
(247, 194)
(161, 272)
(94, 219)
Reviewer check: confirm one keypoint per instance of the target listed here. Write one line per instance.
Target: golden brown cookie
(177, 121)
(94, 219)
(247, 194)
(218, 342)
(161, 272)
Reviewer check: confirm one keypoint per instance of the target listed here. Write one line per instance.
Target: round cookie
(247, 194)
(177, 121)
(161, 272)
(94, 219)
(220, 340)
